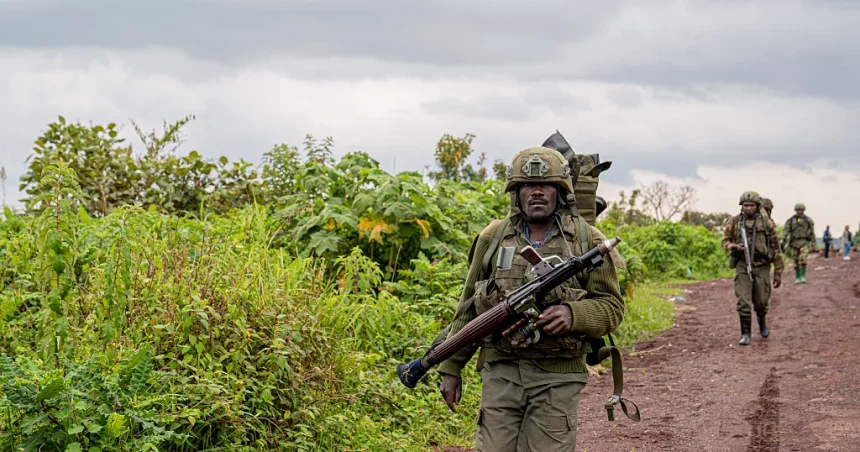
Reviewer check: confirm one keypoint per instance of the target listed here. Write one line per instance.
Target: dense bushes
(664, 250)
(271, 326)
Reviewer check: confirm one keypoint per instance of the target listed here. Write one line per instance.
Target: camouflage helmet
(800, 206)
(539, 164)
(767, 205)
(750, 196)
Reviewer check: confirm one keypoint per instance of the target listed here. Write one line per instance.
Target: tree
(110, 175)
(451, 155)
(500, 169)
(626, 212)
(664, 201)
(102, 165)
(280, 167)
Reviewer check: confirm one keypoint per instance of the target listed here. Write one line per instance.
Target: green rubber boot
(803, 275)
(797, 275)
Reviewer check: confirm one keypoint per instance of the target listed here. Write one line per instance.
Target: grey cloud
(527, 102)
(502, 107)
(822, 74)
(443, 32)
(804, 48)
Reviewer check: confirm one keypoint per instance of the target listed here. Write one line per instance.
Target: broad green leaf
(51, 390)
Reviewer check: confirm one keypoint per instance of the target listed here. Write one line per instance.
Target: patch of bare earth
(699, 391)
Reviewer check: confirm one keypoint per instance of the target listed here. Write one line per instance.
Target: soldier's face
(749, 208)
(798, 212)
(538, 201)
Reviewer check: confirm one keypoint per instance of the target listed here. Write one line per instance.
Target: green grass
(649, 313)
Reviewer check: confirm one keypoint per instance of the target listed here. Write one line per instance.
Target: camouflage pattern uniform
(767, 205)
(530, 394)
(761, 232)
(799, 237)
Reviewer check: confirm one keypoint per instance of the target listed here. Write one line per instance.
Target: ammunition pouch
(734, 257)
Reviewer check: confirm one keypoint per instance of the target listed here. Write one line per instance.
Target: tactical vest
(799, 229)
(508, 276)
(757, 227)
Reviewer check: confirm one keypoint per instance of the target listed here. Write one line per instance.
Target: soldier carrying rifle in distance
(751, 238)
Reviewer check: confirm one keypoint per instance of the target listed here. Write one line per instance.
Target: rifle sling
(617, 384)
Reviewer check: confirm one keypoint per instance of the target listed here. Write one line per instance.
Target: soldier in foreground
(751, 238)
(530, 395)
(797, 235)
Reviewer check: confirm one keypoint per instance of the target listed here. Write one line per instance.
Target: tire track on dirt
(765, 420)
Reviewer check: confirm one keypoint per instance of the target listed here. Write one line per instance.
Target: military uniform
(767, 205)
(530, 393)
(799, 236)
(764, 244)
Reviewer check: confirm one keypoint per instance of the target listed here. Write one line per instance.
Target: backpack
(585, 171)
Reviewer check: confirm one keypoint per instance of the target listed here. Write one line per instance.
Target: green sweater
(597, 314)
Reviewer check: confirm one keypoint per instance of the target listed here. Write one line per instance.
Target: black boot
(762, 326)
(746, 326)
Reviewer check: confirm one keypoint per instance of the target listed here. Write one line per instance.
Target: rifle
(747, 256)
(525, 303)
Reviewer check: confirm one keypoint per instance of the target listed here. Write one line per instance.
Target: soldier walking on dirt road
(798, 234)
(753, 288)
(530, 392)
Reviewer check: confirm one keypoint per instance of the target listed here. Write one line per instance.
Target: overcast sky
(725, 96)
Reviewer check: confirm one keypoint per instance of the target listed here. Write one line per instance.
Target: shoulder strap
(497, 231)
(584, 245)
(584, 235)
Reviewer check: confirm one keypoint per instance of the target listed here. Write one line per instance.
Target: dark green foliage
(210, 305)
(110, 175)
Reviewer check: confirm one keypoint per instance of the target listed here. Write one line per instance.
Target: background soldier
(799, 232)
(767, 205)
(764, 251)
(530, 393)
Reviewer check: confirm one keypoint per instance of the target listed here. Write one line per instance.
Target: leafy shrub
(242, 326)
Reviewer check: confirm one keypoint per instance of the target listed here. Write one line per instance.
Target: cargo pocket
(561, 434)
(557, 433)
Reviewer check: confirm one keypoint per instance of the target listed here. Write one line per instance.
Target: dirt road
(798, 390)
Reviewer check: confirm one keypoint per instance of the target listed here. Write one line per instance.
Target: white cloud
(243, 111)
(829, 194)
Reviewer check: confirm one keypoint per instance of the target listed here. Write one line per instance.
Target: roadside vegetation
(159, 300)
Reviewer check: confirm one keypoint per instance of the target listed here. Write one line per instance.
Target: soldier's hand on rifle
(737, 246)
(777, 280)
(452, 390)
(556, 319)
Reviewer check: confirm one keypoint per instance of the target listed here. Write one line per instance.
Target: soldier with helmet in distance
(767, 206)
(797, 235)
(530, 391)
(753, 288)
